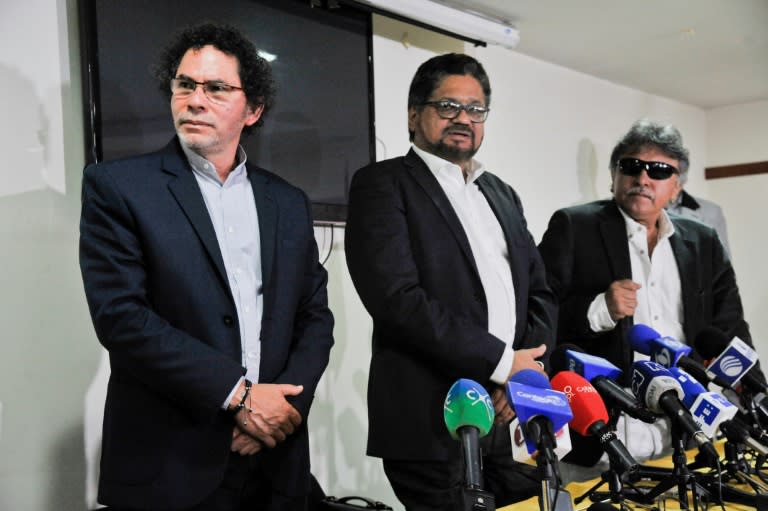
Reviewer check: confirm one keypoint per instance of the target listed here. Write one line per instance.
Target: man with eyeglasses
(439, 252)
(616, 262)
(202, 277)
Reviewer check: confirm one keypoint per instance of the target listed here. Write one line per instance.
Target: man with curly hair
(202, 277)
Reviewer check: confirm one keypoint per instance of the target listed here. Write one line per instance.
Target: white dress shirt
(489, 249)
(232, 209)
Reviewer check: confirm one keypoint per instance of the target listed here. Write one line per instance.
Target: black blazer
(413, 268)
(161, 305)
(585, 248)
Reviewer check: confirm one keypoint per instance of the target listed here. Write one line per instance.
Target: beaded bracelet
(241, 404)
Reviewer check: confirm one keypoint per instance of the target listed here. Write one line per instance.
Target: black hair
(255, 72)
(433, 71)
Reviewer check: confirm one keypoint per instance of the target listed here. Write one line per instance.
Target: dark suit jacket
(412, 265)
(161, 304)
(585, 248)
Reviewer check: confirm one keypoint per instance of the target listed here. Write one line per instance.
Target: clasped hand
(267, 419)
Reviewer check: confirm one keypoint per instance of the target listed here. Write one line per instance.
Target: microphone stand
(552, 497)
(473, 497)
(681, 476)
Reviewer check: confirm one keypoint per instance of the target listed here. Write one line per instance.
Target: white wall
(739, 134)
(549, 135)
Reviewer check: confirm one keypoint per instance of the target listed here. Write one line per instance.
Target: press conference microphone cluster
(468, 414)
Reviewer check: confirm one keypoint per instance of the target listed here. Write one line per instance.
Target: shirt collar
(666, 227)
(206, 169)
(437, 164)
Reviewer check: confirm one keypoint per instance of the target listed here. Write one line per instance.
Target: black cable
(330, 245)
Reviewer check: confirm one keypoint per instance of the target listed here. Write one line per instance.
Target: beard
(450, 152)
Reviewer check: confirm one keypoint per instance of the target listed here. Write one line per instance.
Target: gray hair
(648, 134)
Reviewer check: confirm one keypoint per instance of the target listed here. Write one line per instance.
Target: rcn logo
(731, 366)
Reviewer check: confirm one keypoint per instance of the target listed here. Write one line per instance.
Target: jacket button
(229, 320)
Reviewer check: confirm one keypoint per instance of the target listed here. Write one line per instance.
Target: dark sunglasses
(655, 169)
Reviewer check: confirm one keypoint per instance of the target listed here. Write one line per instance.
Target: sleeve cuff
(501, 373)
(598, 316)
(225, 405)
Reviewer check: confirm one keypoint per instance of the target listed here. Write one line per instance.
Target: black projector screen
(318, 133)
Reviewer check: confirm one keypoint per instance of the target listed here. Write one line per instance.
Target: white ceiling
(708, 53)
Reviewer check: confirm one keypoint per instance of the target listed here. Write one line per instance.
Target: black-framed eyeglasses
(655, 169)
(215, 90)
(447, 109)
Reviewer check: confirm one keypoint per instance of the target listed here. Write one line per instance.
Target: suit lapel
(684, 250)
(614, 233)
(266, 209)
(187, 193)
(501, 206)
(427, 181)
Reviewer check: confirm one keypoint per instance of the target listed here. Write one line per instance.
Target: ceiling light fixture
(456, 21)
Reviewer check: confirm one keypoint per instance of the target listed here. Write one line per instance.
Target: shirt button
(230, 229)
(252, 354)
(247, 309)
(655, 318)
(228, 320)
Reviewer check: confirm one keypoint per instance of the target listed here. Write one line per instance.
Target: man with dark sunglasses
(615, 263)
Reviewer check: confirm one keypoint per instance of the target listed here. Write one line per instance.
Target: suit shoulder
(587, 210)
(389, 167)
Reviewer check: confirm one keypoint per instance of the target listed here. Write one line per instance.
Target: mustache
(459, 128)
(640, 190)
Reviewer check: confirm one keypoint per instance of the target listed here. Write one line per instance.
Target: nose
(197, 99)
(462, 118)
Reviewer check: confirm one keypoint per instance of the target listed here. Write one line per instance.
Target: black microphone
(661, 392)
(736, 431)
(599, 372)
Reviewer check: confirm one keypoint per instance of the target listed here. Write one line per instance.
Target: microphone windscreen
(710, 342)
(586, 404)
(531, 377)
(558, 359)
(468, 404)
(640, 336)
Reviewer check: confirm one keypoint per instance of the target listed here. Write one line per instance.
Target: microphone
(733, 362)
(602, 375)
(709, 409)
(660, 391)
(668, 352)
(468, 414)
(590, 417)
(736, 431)
(540, 410)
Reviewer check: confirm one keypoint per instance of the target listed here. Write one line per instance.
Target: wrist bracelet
(246, 393)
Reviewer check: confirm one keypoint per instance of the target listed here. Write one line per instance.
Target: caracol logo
(731, 366)
(569, 391)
